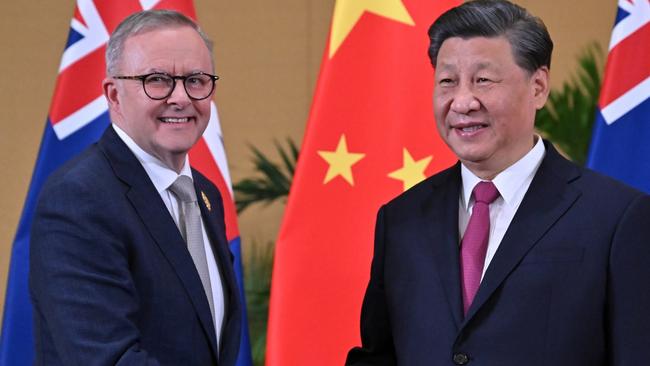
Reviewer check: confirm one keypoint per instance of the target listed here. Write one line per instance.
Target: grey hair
(146, 21)
(531, 44)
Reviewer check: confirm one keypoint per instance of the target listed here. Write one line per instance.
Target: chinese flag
(370, 136)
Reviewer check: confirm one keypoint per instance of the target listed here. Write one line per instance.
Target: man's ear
(111, 94)
(110, 91)
(541, 84)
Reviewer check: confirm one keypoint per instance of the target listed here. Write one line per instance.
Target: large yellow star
(340, 161)
(348, 12)
(412, 172)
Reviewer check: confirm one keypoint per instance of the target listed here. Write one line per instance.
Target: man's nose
(179, 95)
(464, 100)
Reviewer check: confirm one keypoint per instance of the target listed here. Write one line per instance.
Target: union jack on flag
(620, 144)
(77, 118)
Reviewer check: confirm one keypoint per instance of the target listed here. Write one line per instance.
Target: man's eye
(482, 80)
(445, 81)
(195, 80)
(158, 79)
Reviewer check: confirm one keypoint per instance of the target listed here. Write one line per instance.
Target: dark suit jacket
(569, 284)
(111, 279)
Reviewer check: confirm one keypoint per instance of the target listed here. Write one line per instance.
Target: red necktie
(475, 241)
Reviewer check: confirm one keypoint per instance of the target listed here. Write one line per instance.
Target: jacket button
(461, 359)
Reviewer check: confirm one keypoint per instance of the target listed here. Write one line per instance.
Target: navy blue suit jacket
(569, 284)
(111, 279)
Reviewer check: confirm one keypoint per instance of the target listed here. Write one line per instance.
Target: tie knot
(183, 188)
(485, 192)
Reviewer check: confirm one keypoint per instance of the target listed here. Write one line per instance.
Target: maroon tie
(475, 241)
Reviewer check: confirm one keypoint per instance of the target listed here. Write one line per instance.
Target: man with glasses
(129, 261)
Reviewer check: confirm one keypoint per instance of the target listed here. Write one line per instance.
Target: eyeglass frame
(143, 77)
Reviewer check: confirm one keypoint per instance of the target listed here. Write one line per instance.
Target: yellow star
(412, 172)
(340, 161)
(348, 12)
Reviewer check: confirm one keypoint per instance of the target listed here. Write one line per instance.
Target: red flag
(370, 136)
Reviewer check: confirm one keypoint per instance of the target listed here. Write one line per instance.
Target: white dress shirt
(162, 178)
(512, 184)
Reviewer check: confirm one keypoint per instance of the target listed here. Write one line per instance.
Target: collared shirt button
(460, 358)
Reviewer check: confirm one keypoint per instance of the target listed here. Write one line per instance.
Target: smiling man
(513, 256)
(127, 266)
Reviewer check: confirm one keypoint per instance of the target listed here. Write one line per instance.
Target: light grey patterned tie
(190, 226)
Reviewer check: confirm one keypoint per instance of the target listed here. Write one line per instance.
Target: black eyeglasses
(159, 85)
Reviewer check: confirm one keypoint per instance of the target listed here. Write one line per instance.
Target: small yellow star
(340, 161)
(412, 172)
(348, 12)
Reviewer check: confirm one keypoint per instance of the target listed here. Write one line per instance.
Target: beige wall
(268, 53)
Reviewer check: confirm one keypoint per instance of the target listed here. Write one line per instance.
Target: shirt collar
(160, 174)
(508, 181)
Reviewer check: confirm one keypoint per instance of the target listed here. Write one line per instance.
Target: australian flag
(620, 145)
(77, 118)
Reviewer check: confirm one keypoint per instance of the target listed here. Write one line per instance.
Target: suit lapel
(548, 198)
(159, 223)
(213, 220)
(441, 214)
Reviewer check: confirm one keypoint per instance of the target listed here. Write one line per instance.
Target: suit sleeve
(83, 294)
(376, 338)
(628, 305)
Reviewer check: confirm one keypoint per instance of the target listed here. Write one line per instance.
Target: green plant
(272, 181)
(257, 282)
(569, 114)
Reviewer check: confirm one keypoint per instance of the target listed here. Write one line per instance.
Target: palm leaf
(271, 182)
